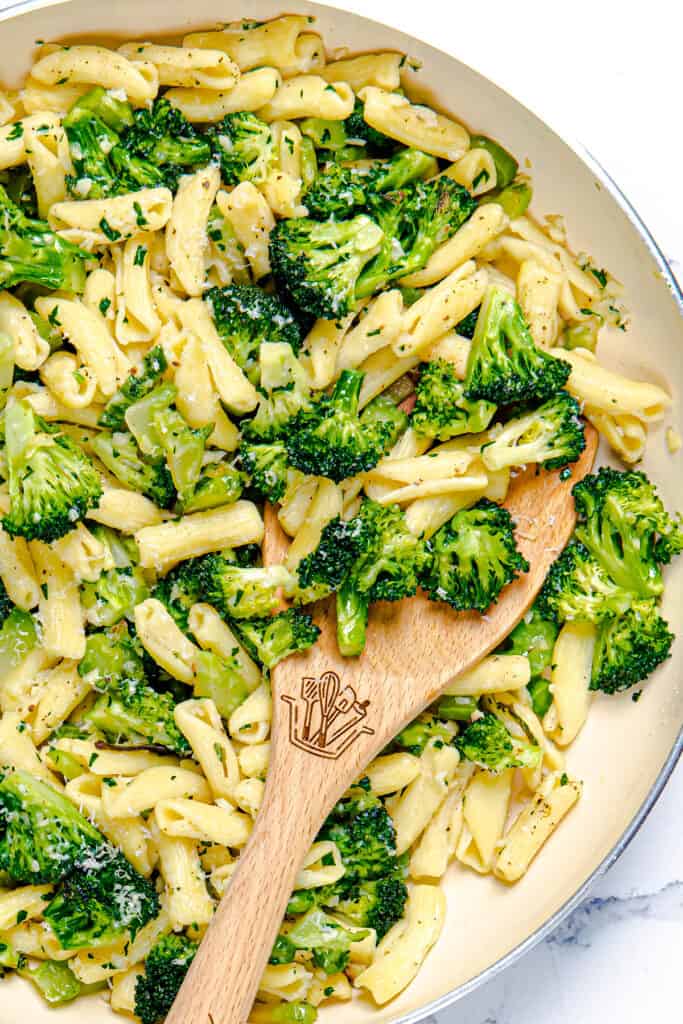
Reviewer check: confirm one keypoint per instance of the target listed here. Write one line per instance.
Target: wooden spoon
(414, 649)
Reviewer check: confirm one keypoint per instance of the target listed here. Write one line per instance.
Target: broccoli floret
(164, 140)
(245, 317)
(415, 737)
(52, 483)
(184, 586)
(129, 711)
(6, 604)
(267, 467)
(218, 484)
(272, 638)
(415, 221)
(441, 409)
(44, 839)
(318, 264)
(114, 595)
(243, 593)
(577, 587)
(166, 965)
(42, 835)
(18, 183)
(243, 144)
(364, 835)
(629, 647)
(377, 904)
(116, 149)
(387, 568)
(358, 130)
(328, 565)
(221, 680)
(135, 387)
(101, 901)
(30, 251)
(330, 438)
(120, 454)
(285, 392)
(341, 191)
(504, 364)
(488, 744)
(534, 638)
(551, 436)
(325, 938)
(472, 557)
(468, 324)
(623, 523)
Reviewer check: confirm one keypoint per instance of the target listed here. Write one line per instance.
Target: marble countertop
(609, 78)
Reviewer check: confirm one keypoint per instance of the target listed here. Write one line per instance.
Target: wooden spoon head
(415, 647)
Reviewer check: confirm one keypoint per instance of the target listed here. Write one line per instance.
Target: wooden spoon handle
(222, 982)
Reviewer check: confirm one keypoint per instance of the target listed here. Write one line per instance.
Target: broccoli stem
(456, 709)
(352, 621)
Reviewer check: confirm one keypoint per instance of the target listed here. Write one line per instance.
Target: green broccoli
(30, 251)
(504, 364)
(270, 639)
(19, 186)
(378, 903)
(441, 410)
(6, 604)
(318, 264)
(243, 593)
(629, 647)
(468, 324)
(623, 523)
(471, 558)
(160, 137)
(534, 638)
(52, 483)
(359, 131)
(245, 317)
(328, 565)
(220, 679)
(244, 147)
(183, 586)
(136, 386)
(330, 438)
(320, 934)
(488, 744)
(267, 467)
(18, 636)
(283, 1013)
(453, 708)
(55, 981)
(514, 198)
(116, 149)
(387, 568)
(120, 454)
(219, 484)
(114, 595)
(166, 965)
(340, 192)
(551, 435)
(128, 711)
(285, 392)
(44, 839)
(415, 737)
(415, 221)
(364, 834)
(505, 163)
(577, 587)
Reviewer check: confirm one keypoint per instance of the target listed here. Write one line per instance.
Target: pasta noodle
(285, 43)
(413, 125)
(252, 91)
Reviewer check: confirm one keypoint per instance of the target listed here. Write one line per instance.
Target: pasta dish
(238, 271)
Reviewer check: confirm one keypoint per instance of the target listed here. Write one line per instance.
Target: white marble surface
(607, 74)
(604, 75)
